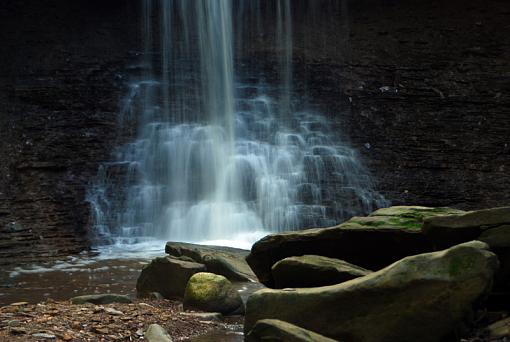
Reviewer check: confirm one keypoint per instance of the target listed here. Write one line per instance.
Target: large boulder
(167, 276)
(226, 261)
(425, 298)
(212, 293)
(314, 271)
(275, 330)
(371, 242)
(450, 230)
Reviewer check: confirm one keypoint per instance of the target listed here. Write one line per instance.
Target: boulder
(446, 231)
(498, 240)
(212, 293)
(371, 242)
(156, 333)
(99, 299)
(425, 297)
(167, 276)
(228, 262)
(499, 329)
(313, 271)
(275, 330)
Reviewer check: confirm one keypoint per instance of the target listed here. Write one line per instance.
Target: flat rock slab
(314, 271)
(447, 231)
(372, 242)
(276, 330)
(422, 298)
(101, 299)
(228, 262)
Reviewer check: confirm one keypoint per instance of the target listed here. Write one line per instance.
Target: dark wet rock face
(420, 88)
(60, 88)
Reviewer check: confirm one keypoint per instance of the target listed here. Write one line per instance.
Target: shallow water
(69, 278)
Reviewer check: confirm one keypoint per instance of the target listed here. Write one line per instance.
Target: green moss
(406, 223)
(461, 264)
(373, 223)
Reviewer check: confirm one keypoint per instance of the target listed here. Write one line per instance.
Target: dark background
(439, 136)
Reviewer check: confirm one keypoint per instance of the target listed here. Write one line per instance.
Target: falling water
(217, 158)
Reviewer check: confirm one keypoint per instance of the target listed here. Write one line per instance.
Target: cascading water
(219, 159)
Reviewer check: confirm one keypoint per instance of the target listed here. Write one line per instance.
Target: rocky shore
(399, 274)
(64, 321)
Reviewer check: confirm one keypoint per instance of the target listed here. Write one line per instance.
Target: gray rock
(275, 330)
(98, 299)
(45, 336)
(450, 230)
(212, 293)
(156, 333)
(167, 276)
(313, 271)
(228, 262)
(422, 298)
(204, 316)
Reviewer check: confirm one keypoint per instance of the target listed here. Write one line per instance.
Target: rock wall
(60, 85)
(429, 83)
(421, 89)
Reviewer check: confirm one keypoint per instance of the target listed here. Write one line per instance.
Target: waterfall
(221, 157)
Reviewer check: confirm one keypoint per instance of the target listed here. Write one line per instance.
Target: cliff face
(429, 83)
(61, 82)
(421, 88)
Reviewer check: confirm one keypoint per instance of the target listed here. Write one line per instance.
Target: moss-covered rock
(212, 293)
(422, 298)
(313, 271)
(226, 261)
(166, 275)
(279, 331)
(372, 242)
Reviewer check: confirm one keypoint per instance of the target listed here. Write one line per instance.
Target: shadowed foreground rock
(212, 293)
(447, 231)
(275, 330)
(314, 271)
(425, 298)
(168, 276)
(372, 242)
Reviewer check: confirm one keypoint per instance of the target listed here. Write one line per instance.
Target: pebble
(113, 312)
(18, 331)
(19, 304)
(45, 336)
